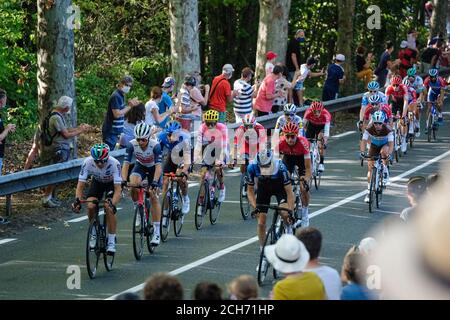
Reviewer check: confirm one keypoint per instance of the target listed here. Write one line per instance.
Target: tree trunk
(272, 32)
(55, 57)
(184, 35)
(439, 18)
(346, 12)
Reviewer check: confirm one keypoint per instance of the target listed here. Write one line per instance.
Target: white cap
(403, 44)
(340, 57)
(65, 101)
(227, 68)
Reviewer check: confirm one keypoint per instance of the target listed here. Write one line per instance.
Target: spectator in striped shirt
(245, 93)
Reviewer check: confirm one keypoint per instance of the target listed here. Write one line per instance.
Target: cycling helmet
(142, 130)
(100, 151)
(373, 85)
(375, 99)
(411, 72)
(190, 81)
(211, 115)
(168, 82)
(291, 128)
(264, 157)
(316, 105)
(172, 126)
(396, 80)
(378, 116)
(289, 108)
(406, 82)
(433, 72)
(249, 119)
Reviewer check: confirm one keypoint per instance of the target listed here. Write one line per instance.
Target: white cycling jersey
(281, 121)
(111, 171)
(149, 157)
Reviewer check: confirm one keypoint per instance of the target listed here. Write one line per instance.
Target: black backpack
(46, 136)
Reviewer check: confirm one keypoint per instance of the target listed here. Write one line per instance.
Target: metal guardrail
(62, 172)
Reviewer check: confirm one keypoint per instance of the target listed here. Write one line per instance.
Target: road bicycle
(431, 124)
(297, 194)
(171, 207)
(208, 198)
(243, 198)
(274, 232)
(411, 135)
(397, 137)
(376, 181)
(97, 241)
(315, 161)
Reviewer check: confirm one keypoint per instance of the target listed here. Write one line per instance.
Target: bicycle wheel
(243, 199)
(317, 174)
(262, 272)
(399, 143)
(372, 190)
(138, 232)
(92, 252)
(379, 189)
(429, 126)
(108, 259)
(214, 207)
(177, 215)
(434, 127)
(166, 213)
(201, 205)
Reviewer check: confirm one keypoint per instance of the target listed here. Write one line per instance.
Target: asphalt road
(34, 265)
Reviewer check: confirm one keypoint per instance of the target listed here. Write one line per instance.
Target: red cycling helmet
(316, 106)
(291, 128)
(396, 80)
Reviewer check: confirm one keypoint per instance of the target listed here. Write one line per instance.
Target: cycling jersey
(279, 172)
(281, 121)
(398, 95)
(175, 150)
(323, 119)
(435, 86)
(379, 138)
(167, 145)
(365, 98)
(417, 84)
(382, 107)
(300, 148)
(208, 136)
(412, 96)
(253, 138)
(149, 157)
(111, 171)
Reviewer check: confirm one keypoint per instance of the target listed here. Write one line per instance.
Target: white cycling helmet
(289, 108)
(142, 130)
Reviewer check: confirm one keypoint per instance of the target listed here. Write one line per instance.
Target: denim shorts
(298, 86)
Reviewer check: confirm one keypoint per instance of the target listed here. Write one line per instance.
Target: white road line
(234, 170)
(343, 134)
(254, 239)
(101, 212)
(3, 241)
(194, 184)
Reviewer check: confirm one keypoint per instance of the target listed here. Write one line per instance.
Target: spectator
(266, 92)
(128, 296)
(244, 94)
(429, 9)
(186, 107)
(152, 116)
(163, 286)
(132, 118)
(430, 56)
(114, 118)
(243, 287)
(367, 246)
(432, 179)
(300, 77)
(270, 57)
(207, 291)
(411, 38)
(407, 58)
(335, 77)
(353, 274)
(4, 131)
(283, 88)
(312, 239)
(290, 257)
(199, 97)
(363, 70)
(385, 64)
(416, 186)
(166, 102)
(59, 150)
(293, 53)
(221, 92)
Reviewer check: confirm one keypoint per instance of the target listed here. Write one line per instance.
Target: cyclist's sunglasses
(290, 136)
(378, 123)
(250, 125)
(395, 85)
(210, 124)
(101, 161)
(433, 79)
(141, 139)
(373, 91)
(290, 114)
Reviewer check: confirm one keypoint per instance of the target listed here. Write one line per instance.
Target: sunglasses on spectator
(210, 124)
(141, 139)
(290, 136)
(101, 161)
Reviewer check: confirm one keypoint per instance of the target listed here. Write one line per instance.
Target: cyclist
(382, 142)
(435, 87)
(412, 105)
(105, 171)
(295, 151)
(272, 180)
(212, 138)
(148, 165)
(416, 82)
(317, 123)
(289, 116)
(177, 142)
(247, 140)
(373, 88)
(375, 104)
(397, 95)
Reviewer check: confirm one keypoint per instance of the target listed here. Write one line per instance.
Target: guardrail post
(8, 206)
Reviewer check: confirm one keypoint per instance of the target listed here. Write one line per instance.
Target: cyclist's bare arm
(125, 168)
(290, 196)
(391, 147)
(117, 194)
(308, 169)
(158, 171)
(80, 189)
(363, 145)
(251, 195)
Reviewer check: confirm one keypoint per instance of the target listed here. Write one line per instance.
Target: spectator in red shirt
(407, 57)
(220, 93)
(266, 92)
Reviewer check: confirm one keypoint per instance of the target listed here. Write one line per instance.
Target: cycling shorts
(99, 189)
(143, 172)
(397, 106)
(312, 130)
(266, 189)
(291, 161)
(374, 150)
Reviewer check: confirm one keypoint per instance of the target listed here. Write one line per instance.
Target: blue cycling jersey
(365, 98)
(167, 144)
(279, 171)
